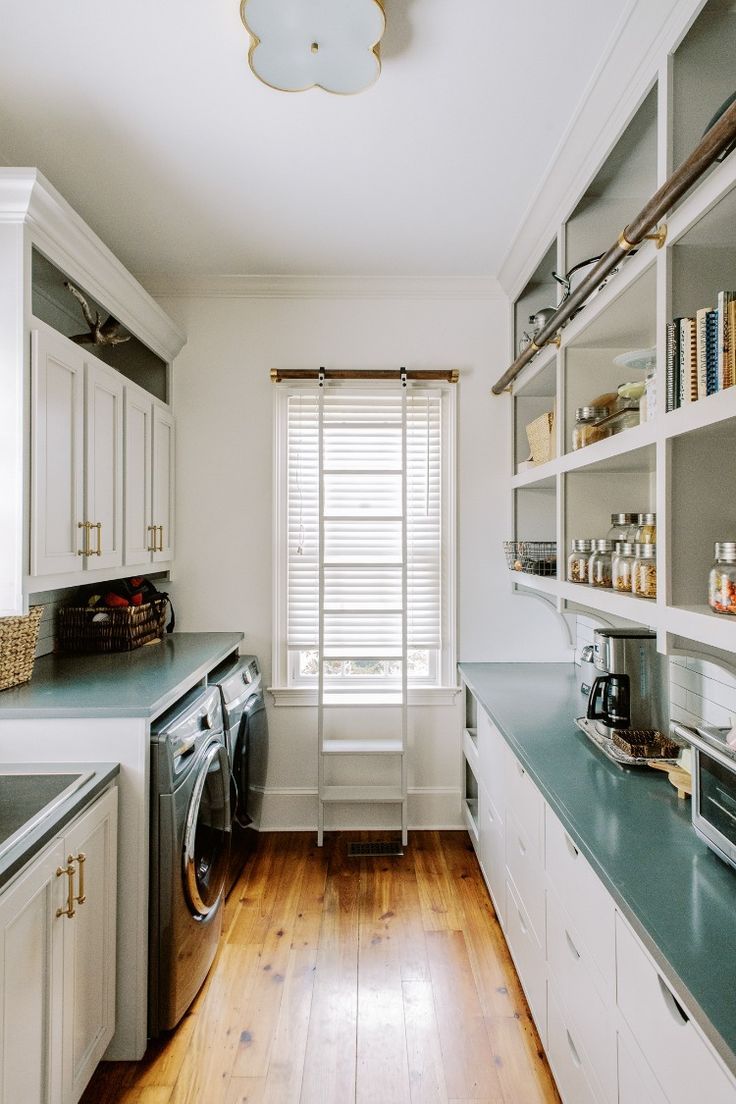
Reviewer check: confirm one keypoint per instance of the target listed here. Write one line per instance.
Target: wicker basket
(540, 434)
(122, 629)
(18, 638)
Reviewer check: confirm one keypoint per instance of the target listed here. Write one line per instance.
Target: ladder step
(363, 697)
(363, 747)
(362, 794)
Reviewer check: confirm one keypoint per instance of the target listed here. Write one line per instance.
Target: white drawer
(636, 1082)
(566, 1057)
(524, 800)
(573, 879)
(683, 1063)
(528, 959)
(492, 853)
(491, 746)
(527, 873)
(576, 983)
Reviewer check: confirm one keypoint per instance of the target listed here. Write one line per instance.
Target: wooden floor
(338, 980)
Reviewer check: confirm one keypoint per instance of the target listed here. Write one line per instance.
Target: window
(362, 533)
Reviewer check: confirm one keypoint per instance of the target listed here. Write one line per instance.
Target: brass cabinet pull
(152, 547)
(98, 526)
(81, 858)
(161, 538)
(69, 871)
(84, 551)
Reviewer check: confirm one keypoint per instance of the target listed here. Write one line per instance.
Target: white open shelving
(682, 464)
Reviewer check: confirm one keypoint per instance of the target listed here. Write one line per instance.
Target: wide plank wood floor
(350, 981)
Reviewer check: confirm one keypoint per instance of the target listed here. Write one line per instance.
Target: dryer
(190, 848)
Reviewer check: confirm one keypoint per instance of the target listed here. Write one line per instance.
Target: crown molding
(643, 34)
(27, 198)
(165, 286)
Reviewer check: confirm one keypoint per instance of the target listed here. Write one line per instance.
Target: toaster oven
(714, 789)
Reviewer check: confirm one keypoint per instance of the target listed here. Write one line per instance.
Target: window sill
(421, 695)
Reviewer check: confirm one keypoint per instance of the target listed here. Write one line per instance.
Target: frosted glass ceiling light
(300, 44)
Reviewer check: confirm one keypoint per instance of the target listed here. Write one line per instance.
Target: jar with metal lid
(577, 561)
(623, 566)
(586, 431)
(646, 532)
(600, 564)
(623, 528)
(722, 578)
(644, 571)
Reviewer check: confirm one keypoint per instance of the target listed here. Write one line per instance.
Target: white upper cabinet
(104, 465)
(57, 427)
(162, 509)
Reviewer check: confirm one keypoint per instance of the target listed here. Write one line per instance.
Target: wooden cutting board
(678, 776)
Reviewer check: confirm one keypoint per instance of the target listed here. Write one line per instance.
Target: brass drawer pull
(152, 547)
(98, 526)
(81, 858)
(84, 550)
(69, 871)
(160, 538)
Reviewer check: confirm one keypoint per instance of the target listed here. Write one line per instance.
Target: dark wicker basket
(122, 630)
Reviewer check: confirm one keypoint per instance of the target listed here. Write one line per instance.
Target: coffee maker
(631, 691)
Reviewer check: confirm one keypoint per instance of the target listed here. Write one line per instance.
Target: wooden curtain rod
(441, 375)
(712, 144)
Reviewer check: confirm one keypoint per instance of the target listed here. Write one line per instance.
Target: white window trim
(444, 693)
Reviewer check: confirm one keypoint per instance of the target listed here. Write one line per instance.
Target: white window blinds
(362, 459)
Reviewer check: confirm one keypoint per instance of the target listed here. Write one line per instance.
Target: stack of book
(701, 352)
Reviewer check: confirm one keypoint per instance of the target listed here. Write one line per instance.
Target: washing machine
(246, 729)
(190, 849)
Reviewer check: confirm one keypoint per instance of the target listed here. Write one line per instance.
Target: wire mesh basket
(532, 557)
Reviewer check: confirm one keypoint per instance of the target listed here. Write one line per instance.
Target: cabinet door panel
(89, 950)
(31, 965)
(162, 510)
(57, 452)
(104, 465)
(138, 538)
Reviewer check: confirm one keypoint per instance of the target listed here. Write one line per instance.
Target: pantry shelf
(699, 623)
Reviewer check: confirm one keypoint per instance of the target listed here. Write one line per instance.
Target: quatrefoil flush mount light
(301, 44)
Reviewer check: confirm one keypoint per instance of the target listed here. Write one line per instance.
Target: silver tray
(611, 750)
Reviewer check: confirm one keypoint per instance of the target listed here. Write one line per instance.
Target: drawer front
(491, 746)
(492, 854)
(636, 1082)
(573, 879)
(566, 1057)
(524, 800)
(528, 959)
(525, 868)
(681, 1060)
(576, 983)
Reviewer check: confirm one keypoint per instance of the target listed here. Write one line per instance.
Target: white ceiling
(147, 118)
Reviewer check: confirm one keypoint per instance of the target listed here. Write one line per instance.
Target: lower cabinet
(570, 1065)
(57, 962)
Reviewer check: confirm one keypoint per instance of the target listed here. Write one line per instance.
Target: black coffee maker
(610, 701)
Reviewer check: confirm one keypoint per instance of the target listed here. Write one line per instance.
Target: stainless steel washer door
(207, 831)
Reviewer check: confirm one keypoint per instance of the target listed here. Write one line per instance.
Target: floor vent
(374, 850)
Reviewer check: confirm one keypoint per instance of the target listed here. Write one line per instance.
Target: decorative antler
(109, 332)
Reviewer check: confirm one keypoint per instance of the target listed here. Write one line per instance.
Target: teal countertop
(141, 683)
(677, 895)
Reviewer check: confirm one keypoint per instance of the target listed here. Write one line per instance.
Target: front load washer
(190, 849)
(246, 732)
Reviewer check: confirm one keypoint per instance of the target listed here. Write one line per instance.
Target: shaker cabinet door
(138, 537)
(104, 465)
(57, 453)
(162, 508)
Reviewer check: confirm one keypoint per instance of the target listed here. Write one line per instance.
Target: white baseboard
(295, 810)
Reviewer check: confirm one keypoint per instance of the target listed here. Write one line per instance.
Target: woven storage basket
(18, 638)
(540, 434)
(123, 629)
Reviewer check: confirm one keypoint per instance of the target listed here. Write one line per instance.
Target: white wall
(223, 401)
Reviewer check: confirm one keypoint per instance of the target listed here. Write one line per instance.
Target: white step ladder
(388, 625)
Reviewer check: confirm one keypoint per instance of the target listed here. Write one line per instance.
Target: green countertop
(677, 895)
(141, 683)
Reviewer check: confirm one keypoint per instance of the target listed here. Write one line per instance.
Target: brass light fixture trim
(328, 44)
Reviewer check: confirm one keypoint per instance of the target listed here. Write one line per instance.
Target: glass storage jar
(585, 431)
(623, 528)
(577, 561)
(622, 568)
(644, 571)
(722, 579)
(646, 532)
(625, 417)
(600, 564)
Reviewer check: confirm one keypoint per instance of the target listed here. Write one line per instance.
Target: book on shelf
(701, 352)
(672, 374)
(729, 371)
(711, 352)
(689, 384)
(725, 337)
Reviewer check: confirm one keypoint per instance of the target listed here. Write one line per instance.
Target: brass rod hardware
(152, 547)
(659, 236)
(84, 551)
(98, 526)
(440, 375)
(81, 858)
(710, 147)
(69, 871)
